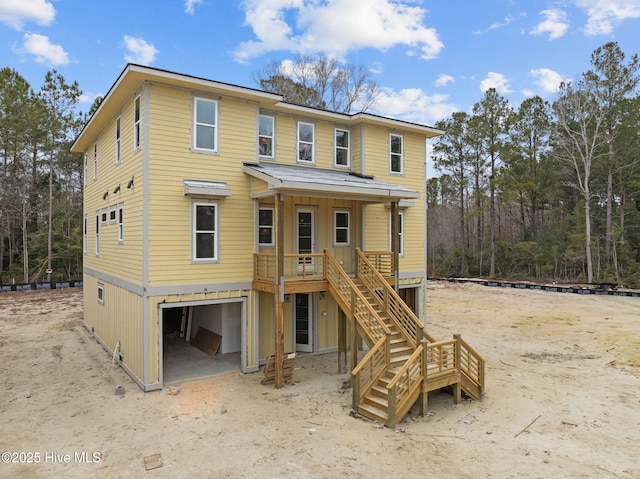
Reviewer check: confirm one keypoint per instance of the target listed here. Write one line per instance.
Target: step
(373, 413)
(380, 390)
(376, 401)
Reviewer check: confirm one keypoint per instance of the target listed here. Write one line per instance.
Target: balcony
(305, 273)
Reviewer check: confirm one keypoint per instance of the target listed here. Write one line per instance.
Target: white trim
(273, 136)
(392, 153)
(137, 124)
(335, 227)
(206, 188)
(195, 124)
(305, 142)
(272, 243)
(120, 222)
(336, 147)
(194, 232)
(118, 145)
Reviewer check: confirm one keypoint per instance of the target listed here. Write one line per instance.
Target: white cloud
(555, 24)
(139, 51)
(497, 81)
(43, 50)
(413, 104)
(497, 25)
(16, 13)
(548, 80)
(189, 5)
(443, 79)
(336, 27)
(605, 15)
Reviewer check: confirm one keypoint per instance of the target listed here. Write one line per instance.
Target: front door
(305, 236)
(303, 322)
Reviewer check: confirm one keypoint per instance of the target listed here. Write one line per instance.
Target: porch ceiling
(309, 181)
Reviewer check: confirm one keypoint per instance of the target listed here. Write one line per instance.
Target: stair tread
(376, 412)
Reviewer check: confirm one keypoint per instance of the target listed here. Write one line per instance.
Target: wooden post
(456, 387)
(354, 332)
(342, 342)
(395, 243)
(424, 394)
(279, 290)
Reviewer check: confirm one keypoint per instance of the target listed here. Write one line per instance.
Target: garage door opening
(200, 341)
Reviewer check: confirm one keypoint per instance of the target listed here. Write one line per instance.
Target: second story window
(117, 140)
(265, 136)
(205, 227)
(395, 154)
(341, 228)
(205, 125)
(265, 227)
(86, 169)
(342, 147)
(136, 123)
(306, 137)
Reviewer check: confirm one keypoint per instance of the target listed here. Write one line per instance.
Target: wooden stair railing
(471, 363)
(385, 385)
(353, 303)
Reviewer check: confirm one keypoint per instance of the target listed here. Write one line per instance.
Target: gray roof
(321, 182)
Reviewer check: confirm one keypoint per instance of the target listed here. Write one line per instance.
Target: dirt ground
(562, 401)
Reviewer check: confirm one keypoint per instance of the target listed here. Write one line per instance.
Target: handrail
(394, 306)
(403, 385)
(376, 330)
(375, 362)
(416, 354)
(471, 363)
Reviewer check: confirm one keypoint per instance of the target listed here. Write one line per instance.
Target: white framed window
(205, 125)
(265, 226)
(205, 232)
(112, 214)
(86, 169)
(85, 233)
(97, 233)
(95, 161)
(396, 153)
(121, 222)
(341, 227)
(342, 153)
(266, 132)
(117, 140)
(100, 293)
(306, 141)
(104, 216)
(137, 123)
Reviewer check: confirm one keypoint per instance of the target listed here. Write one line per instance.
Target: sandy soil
(562, 401)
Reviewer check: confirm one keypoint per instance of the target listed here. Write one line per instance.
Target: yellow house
(278, 227)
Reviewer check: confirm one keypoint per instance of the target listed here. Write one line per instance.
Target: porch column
(395, 243)
(279, 288)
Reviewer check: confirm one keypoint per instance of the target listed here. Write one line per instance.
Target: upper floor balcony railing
(310, 267)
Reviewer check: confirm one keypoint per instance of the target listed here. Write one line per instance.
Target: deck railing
(405, 386)
(297, 267)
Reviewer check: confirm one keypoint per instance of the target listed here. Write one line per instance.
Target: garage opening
(200, 340)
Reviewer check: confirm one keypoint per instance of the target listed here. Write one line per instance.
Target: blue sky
(430, 58)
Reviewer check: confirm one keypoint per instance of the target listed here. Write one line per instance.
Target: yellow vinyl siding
(124, 259)
(117, 320)
(170, 210)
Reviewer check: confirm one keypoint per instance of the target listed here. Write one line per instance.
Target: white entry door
(303, 319)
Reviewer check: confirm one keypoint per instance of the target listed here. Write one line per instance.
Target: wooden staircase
(404, 362)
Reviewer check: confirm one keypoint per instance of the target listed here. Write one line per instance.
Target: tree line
(545, 191)
(41, 181)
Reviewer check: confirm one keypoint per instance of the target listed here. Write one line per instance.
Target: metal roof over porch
(304, 180)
